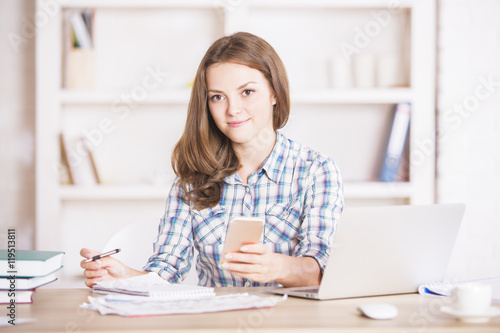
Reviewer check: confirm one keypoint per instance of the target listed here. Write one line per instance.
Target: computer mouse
(378, 310)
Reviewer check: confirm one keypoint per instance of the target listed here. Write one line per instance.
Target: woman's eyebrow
(240, 87)
(246, 84)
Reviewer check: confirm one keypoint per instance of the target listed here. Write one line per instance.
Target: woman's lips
(237, 123)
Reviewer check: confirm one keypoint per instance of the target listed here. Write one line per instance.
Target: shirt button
(247, 284)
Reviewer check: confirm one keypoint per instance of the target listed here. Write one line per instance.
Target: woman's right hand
(104, 269)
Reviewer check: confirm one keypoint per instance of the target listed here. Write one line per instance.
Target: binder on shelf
(79, 57)
(80, 162)
(88, 18)
(396, 144)
(94, 167)
(80, 31)
(64, 157)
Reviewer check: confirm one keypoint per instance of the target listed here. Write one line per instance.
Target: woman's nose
(234, 106)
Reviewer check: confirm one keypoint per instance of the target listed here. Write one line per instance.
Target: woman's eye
(247, 92)
(216, 98)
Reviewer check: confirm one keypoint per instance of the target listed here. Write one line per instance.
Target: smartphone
(242, 231)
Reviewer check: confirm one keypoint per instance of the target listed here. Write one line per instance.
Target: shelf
(120, 4)
(353, 96)
(353, 190)
(377, 190)
(327, 96)
(363, 4)
(221, 3)
(114, 192)
(89, 97)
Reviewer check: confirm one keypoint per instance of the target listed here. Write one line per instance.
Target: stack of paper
(153, 307)
(149, 295)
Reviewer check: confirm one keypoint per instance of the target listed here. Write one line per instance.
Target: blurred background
(94, 94)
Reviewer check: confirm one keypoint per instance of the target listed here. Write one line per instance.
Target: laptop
(386, 250)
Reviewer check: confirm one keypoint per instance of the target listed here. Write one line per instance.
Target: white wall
(469, 131)
(17, 122)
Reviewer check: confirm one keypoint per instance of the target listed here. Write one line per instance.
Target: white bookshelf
(352, 123)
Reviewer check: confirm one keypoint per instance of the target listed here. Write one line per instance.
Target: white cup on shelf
(472, 298)
(364, 70)
(340, 72)
(388, 70)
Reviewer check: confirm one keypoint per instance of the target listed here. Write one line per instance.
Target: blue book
(29, 263)
(396, 143)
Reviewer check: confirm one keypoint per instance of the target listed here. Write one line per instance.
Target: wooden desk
(57, 310)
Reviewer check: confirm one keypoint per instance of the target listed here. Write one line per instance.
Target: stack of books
(22, 271)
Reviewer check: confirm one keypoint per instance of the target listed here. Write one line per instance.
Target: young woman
(231, 161)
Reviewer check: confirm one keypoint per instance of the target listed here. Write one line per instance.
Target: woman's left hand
(257, 262)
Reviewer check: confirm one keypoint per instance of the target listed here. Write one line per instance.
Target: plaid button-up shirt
(298, 192)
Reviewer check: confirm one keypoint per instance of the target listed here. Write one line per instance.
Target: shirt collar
(274, 163)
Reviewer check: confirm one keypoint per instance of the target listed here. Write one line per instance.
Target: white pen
(102, 255)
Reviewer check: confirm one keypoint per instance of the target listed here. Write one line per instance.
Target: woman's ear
(273, 100)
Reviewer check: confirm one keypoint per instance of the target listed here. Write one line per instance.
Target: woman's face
(240, 102)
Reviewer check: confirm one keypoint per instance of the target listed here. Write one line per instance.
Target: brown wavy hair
(204, 156)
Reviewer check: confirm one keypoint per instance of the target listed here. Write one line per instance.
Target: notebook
(152, 286)
(444, 288)
(387, 250)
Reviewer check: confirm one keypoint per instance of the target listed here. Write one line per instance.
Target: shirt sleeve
(173, 247)
(323, 205)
